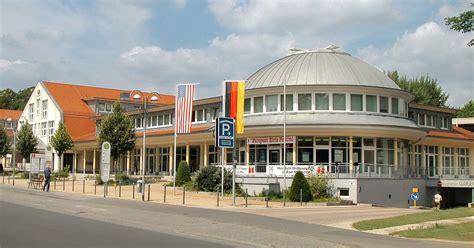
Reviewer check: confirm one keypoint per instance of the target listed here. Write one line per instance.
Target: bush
(124, 179)
(184, 173)
(208, 179)
(24, 175)
(318, 186)
(300, 182)
(98, 180)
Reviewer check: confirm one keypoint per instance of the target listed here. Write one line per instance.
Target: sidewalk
(424, 225)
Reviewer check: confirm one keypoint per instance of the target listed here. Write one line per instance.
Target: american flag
(184, 108)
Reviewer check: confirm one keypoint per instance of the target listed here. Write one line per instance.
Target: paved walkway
(424, 225)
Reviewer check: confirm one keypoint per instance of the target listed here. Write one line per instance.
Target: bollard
(95, 188)
(105, 189)
(55, 183)
(149, 192)
(164, 195)
(246, 196)
(218, 194)
(266, 198)
(301, 197)
(184, 194)
(64, 184)
(83, 186)
(284, 198)
(8, 179)
(115, 189)
(120, 189)
(133, 191)
(3, 178)
(73, 184)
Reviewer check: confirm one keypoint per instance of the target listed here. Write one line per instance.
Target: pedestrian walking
(47, 178)
(437, 200)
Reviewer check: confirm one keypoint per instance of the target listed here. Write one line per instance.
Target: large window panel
(258, 104)
(371, 103)
(247, 106)
(395, 106)
(304, 101)
(339, 101)
(289, 102)
(322, 101)
(271, 103)
(383, 104)
(356, 102)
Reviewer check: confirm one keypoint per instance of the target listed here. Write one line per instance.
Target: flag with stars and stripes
(184, 108)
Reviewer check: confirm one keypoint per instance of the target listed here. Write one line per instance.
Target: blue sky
(151, 45)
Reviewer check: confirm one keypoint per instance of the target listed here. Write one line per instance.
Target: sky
(152, 45)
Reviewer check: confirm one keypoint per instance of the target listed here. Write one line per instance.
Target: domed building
(322, 112)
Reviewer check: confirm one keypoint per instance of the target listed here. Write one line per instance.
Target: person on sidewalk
(47, 178)
(437, 199)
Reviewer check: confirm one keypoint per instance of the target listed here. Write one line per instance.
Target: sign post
(225, 134)
(105, 164)
(414, 196)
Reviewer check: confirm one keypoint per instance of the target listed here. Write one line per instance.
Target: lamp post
(15, 130)
(138, 95)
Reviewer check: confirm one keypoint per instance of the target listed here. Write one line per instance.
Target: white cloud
(430, 49)
(18, 71)
(234, 57)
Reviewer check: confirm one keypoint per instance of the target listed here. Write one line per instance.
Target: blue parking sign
(415, 196)
(225, 132)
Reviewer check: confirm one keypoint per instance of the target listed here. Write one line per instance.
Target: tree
(426, 89)
(467, 110)
(4, 141)
(119, 131)
(183, 175)
(9, 99)
(26, 141)
(61, 142)
(300, 183)
(462, 23)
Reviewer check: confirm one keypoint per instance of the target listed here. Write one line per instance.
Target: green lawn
(414, 218)
(459, 232)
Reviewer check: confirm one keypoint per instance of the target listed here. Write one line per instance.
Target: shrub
(300, 182)
(124, 179)
(318, 186)
(24, 175)
(208, 179)
(98, 180)
(184, 173)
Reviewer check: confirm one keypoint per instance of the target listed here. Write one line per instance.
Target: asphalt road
(85, 221)
(30, 227)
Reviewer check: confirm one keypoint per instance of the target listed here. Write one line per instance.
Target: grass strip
(414, 218)
(457, 232)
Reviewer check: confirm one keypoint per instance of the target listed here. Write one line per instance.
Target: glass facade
(304, 102)
(322, 101)
(339, 102)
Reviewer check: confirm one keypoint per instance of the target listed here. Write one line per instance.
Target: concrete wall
(392, 192)
(335, 185)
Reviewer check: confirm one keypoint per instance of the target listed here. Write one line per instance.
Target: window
(31, 111)
(343, 192)
(199, 115)
(50, 130)
(9, 124)
(246, 107)
(153, 121)
(289, 102)
(463, 161)
(138, 123)
(161, 120)
(213, 155)
(304, 102)
(101, 107)
(421, 119)
(448, 161)
(339, 101)
(305, 150)
(258, 104)
(271, 103)
(215, 112)
(108, 107)
(356, 102)
(429, 120)
(395, 106)
(43, 129)
(445, 122)
(38, 107)
(322, 101)
(167, 119)
(44, 113)
(371, 103)
(383, 104)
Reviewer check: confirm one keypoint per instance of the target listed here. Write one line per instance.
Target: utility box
(140, 186)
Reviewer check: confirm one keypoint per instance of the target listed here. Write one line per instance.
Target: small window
(258, 104)
(339, 101)
(289, 102)
(154, 121)
(101, 107)
(421, 119)
(271, 103)
(304, 102)
(44, 113)
(395, 106)
(167, 119)
(343, 192)
(108, 107)
(383, 104)
(356, 102)
(371, 103)
(322, 101)
(246, 106)
(429, 120)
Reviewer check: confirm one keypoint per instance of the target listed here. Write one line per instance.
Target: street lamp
(15, 130)
(138, 95)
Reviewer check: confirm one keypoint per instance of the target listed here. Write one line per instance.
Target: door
(274, 156)
(369, 161)
(432, 167)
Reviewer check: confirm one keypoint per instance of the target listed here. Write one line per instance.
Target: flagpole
(223, 149)
(284, 139)
(175, 136)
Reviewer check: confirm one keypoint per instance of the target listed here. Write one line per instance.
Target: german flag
(234, 103)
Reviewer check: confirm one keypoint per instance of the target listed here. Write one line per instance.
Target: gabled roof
(8, 113)
(456, 133)
(72, 101)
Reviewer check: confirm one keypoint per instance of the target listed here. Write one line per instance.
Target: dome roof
(319, 67)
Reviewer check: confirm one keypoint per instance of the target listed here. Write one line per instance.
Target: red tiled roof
(8, 113)
(456, 133)
(78, 116)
